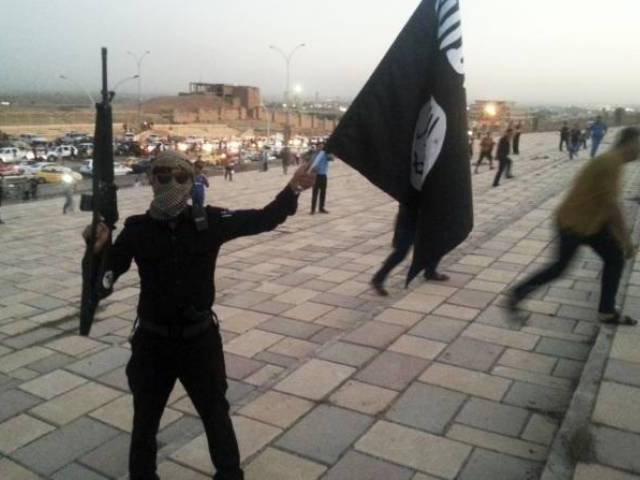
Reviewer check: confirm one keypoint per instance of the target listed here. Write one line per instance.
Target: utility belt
(198, 323)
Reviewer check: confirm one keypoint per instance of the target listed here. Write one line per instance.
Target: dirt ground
(50, 132)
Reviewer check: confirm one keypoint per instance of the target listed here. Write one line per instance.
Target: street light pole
(81, 87)
(287, 101)
(138, 61)
(124, 80)
(287, 59)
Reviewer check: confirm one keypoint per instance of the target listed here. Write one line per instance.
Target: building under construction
(227, 95)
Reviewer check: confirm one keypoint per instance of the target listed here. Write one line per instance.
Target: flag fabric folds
(407, 132)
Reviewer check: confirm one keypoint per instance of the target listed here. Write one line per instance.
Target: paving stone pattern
(327, 380)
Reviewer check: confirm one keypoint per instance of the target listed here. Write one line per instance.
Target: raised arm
(242, 223)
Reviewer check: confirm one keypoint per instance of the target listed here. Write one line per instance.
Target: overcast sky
(536, 51)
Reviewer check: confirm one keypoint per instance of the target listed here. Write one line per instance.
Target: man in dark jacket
(177, 337)
(516, 139)
(505, 163)
(564, 135)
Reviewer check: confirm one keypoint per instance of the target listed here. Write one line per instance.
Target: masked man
(177, 336)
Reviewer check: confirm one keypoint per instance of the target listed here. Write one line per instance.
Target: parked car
(56, 174)
(73, 138)
(85, 149)
(141, 166)
(62, 151)
(152, 147)
(118, 169)
(129, 148)
(31, 168)
(15, 154)
(7, 169)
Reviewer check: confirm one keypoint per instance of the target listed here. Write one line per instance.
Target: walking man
(486, 151)
(516, 139)
(403, 238)
(504, 162)
(69, 187)
(229, 164)
(591, 215)
(319, 191)
(564, 135)
(177, 335)
(286, 155)
(598, 131)
(574, 141)
(200, 184)
(265, 159)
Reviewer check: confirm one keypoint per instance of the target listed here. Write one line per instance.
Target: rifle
(104, 205)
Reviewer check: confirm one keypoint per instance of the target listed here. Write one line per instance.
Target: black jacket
(176, 263)
(504, 148)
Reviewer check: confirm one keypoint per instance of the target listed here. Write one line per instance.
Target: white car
(62, 151)
(31, 168)
(118, 169)
(14, 154)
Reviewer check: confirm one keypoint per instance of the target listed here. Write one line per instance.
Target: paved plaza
(326, 379)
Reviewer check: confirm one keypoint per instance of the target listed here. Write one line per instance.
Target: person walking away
(403, 238)
(486, 151)
(564, 135)
(69, 187)
(591, 215)
(598, 131)
(286, 154)
(584, 136)
(574, 141)
(319, 191)
(33, 186)
(200, 184)
(504, 162)
(265, 159)
(228, 168)
(516, 139)
(177, 335)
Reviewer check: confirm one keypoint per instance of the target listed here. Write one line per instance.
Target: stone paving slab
(326, 379)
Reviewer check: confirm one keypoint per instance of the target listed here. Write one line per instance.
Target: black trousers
(504, 166)
(604, 245)
(319, 190)
(401, 249)
(228, 173)
(156, 363)
(516, 144)
(564, 141)
(484, 155)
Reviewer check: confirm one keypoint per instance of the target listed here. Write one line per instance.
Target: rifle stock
(103, 204)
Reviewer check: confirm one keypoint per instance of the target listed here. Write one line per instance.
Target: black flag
(407, 132)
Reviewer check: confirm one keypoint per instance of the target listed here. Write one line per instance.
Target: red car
(9, 169)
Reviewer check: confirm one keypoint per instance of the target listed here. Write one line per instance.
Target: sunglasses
(165, 174)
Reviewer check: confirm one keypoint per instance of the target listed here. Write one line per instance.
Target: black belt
(178, 331)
